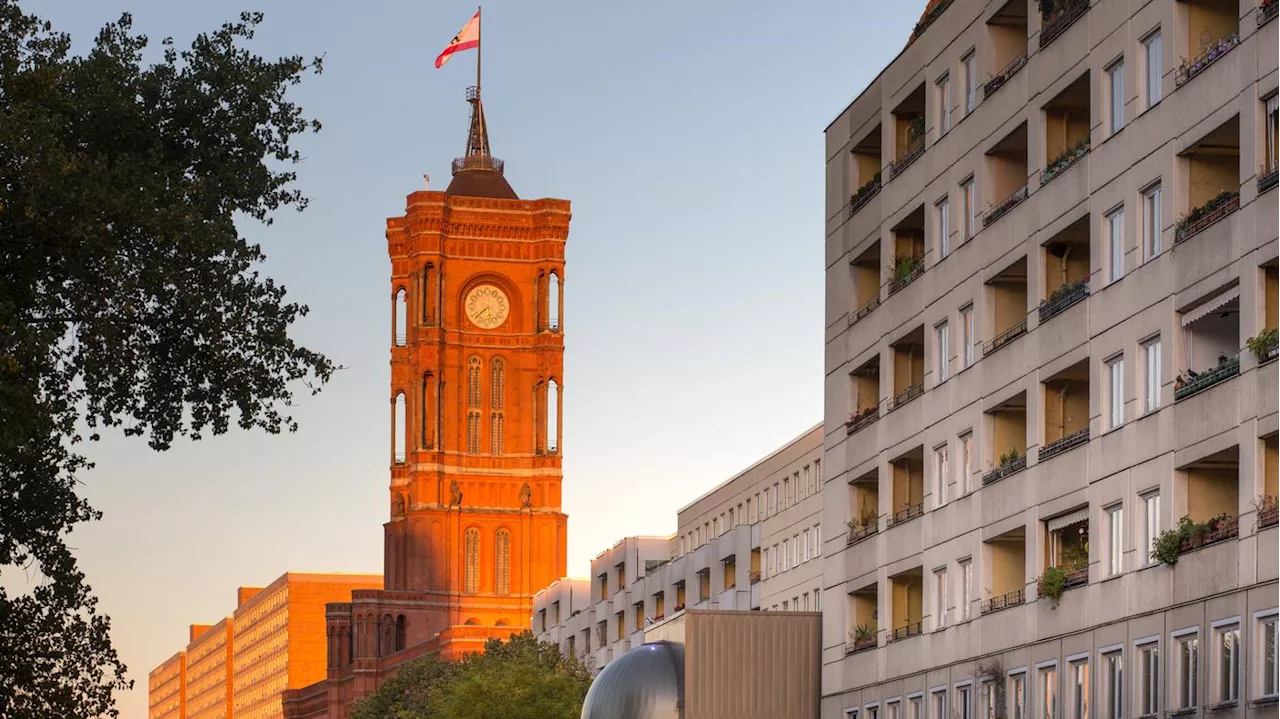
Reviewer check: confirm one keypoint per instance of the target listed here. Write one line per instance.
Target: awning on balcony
(1210, 305)
(1068, 519)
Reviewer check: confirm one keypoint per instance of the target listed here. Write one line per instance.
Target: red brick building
(475, 524)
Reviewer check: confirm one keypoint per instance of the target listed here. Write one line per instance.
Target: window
(943, 211)
(751, 508)
(1018, 695)
(502, 552)
(966, 336)
(804, 547)
(1269, 682)
(1079, 678)
(1048, 686)
(938, 702)
(732, 517)
(1115, 245)
(765, 569)
(715, 527)
(817, 539)
(964, 701)
(764, 508)
(1115, 392)
(970, 63)
(817, 600)
(808, 480)
(1113, 685)
(806, 601)
(942, 338)
(944, 104)
(1151, 368)
(940, 598)
(786, 497)
(1272, 159)
(872, 711)
(776, 504)
(1115, 540)
(1148, 679)
(776, 561)
(1226, 665)
(786, 605)
(892, 710)
(471, 549)
(1115, 107)
(989, 697)
(1150, 525)
(966, 589)
(1186, 669)
(850, 714)
(1155, 67)
(914, 708)
(1151, 221)
(967, 189)
(940, 472)
(966, 461)
(786, 554)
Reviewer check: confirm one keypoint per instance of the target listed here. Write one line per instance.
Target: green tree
(128, 299)
(517, 679)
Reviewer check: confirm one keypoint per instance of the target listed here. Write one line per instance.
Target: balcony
(909, 153)
(1267, 11)
(862, 419)
(928, 19)
(1000, 78)
(903, 632)
(906, 486)
(1006, 468)
(1004, 601)
(1207, 214)
(1268, 180)
(1217, 529)
(905, 396)
(859, 645)
(1209, 54)
(905, 271)
(908, 131)
(1004, 338)
(1063, 15)
(864, 279)
(907, 513)
(1204, 380)
(907, 370)
(1064, 297)
(863, 310)
(858, 532)
(1005, 206)
(1066, 444)
(1059, 164)
(864, 194)
(1269, 516)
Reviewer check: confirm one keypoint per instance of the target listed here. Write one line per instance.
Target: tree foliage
(128, 298)
(521, 678)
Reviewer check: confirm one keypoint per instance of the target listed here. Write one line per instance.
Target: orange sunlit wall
(209, 671)
(166, 687)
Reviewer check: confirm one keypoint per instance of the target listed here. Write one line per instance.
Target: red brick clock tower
(475, 525)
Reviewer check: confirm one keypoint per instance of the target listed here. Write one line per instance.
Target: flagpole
(479, 46)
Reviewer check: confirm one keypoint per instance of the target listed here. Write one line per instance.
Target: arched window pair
(547, 303)
(473, 406)
(430, 295)
(497, 405)
(471, 561)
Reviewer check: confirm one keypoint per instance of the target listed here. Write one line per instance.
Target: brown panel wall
(734, 660)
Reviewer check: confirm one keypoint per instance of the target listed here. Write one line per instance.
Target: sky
(689, 138)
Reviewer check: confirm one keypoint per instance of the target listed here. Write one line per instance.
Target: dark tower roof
(478, 173)
(645, 683)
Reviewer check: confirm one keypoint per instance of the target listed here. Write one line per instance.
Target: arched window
(471, 548)
(497, 403)
(553, 302)
(399, 429)
(553, 415)
(502, 561)
(429, 399)
(428, 294)
(387, 636)
(539, 302)
(399, 317)
(400, 633)
(473, 405)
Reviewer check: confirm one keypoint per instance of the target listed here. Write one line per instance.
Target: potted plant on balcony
(1052, 584)
(860, 415)
(904, 266)
(862, 637)
(1198, 213)
(1263, 344)
(1007, 459)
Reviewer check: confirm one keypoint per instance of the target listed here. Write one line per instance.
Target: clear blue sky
(689, 137)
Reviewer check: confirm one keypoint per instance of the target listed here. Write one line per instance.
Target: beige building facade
(1050, 336)
(751, 543)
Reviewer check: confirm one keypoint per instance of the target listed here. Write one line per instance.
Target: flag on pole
(468, 38)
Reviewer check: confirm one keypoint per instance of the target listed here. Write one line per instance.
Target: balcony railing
(1063, 17)
(924, 22)
(1003, 76)
(1267, 11)
(864, 195)
(1004, 338)
(1207, 214)
(1270, 179)
(904, 632)
(1004, 470)
(910, 154)
(1268, 517)
(1005, 205)
(910, 512)
(859, 645)
(477, 162)
(1209, 55)
(1077, 578)
(857, 535)
(1059, 164)
(754, 576)
(899, 282)
(1069, 442)
(867, 308)
(905, 396)
(1222, 529)
(1063, 298)
(861, 420)
(1004, 601)
(1205, 380)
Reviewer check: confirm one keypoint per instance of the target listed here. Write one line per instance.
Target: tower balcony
(477, 162)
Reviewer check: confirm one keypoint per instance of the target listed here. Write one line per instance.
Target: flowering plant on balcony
(1198, 213)
(1209, 52)
(1052, 584)
(860, 415)
(1064, 160)
(867, 519)
(864, 193)
(1263, 345)
(1188, 535)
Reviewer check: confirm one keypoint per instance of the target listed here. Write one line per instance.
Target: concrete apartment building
(1051, 312)
(275, 640)
(753, 542)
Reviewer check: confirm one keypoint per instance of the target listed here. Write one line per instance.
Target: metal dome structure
(645, 683)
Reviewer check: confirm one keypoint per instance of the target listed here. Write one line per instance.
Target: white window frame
(1153, 72)
(969, 64)
(966, 588)
(1115, 244)
(893, 708)
(965, 440)
(964, 687)
(1111, 661)
(966, 336)
(969, 191)
(1141, 690)
(942, 342)
(1115, 95)
(871, 710)
(1150, 524)
(1186, 694)
(942, 210)
(1080, 705)
(1152, 363)
(1014, 679)
(1260, 620)
(851, 713)
(1055, 687)
(939, 599)
(1236, 668)
(1271, 140)
(915, 705)
(941, 474)
(987, 697)
(944, 103)
(1152, 198)
(943, 713)
(1115, 391)
(1115, 539)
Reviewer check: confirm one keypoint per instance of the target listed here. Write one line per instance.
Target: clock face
(487, 307)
